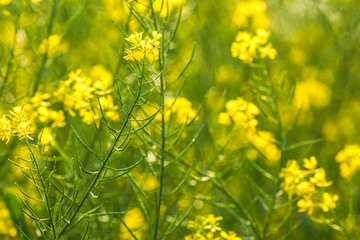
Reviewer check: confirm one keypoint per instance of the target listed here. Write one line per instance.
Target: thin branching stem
(104, 163)
(341, 224)
(163, 131)
(45, 191)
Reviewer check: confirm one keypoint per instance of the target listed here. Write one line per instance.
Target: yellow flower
(202, 225)
(18, 114)
(208, 227)
(180, 108)
(224, 118)
(246, 46)
(5, 128)
(305, 187)
(305, 183)
(80, 92)
(262, 36)
(305, 204)
(230, 235)
(311, 93)
(319, 178)
(241, 113)
(251, 11)
(292, 175)
(268, 51)
(15, 124)
(263, 141)
(46, 138)
(310, 163)
(143, 48)
(102, 78)
(39, 109)
(20, 123)
(5, 2)
(23, 130)
(53, 45)
(329, 201)
(349, 159)
(212, 223)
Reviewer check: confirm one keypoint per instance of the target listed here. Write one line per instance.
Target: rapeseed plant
(144, 119)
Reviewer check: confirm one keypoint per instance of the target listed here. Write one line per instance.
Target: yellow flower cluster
(349, 159)
(247, 46)
(181, 108)
(241, 113)
(263, 142)
(305, 183)
(208, 228)
(7, 227)
(53, 45)
(15, 124)
(79, 93)
(143, 48)
(311, 93)
(39, 109)
(251, 12)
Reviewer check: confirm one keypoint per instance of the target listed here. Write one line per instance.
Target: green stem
(282, 150)
(45, 189)
(163, 138)
(341, 224)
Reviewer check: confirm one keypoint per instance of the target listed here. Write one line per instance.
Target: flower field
(179, 119)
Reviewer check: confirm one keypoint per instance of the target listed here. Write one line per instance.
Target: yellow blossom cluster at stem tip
(247, 46)
(79, 93)
(16, 123)
(141, 48)
(349, 159)
(241, 113)
(306, 183)
(251, 12)
(208, 228)
(180, 109)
